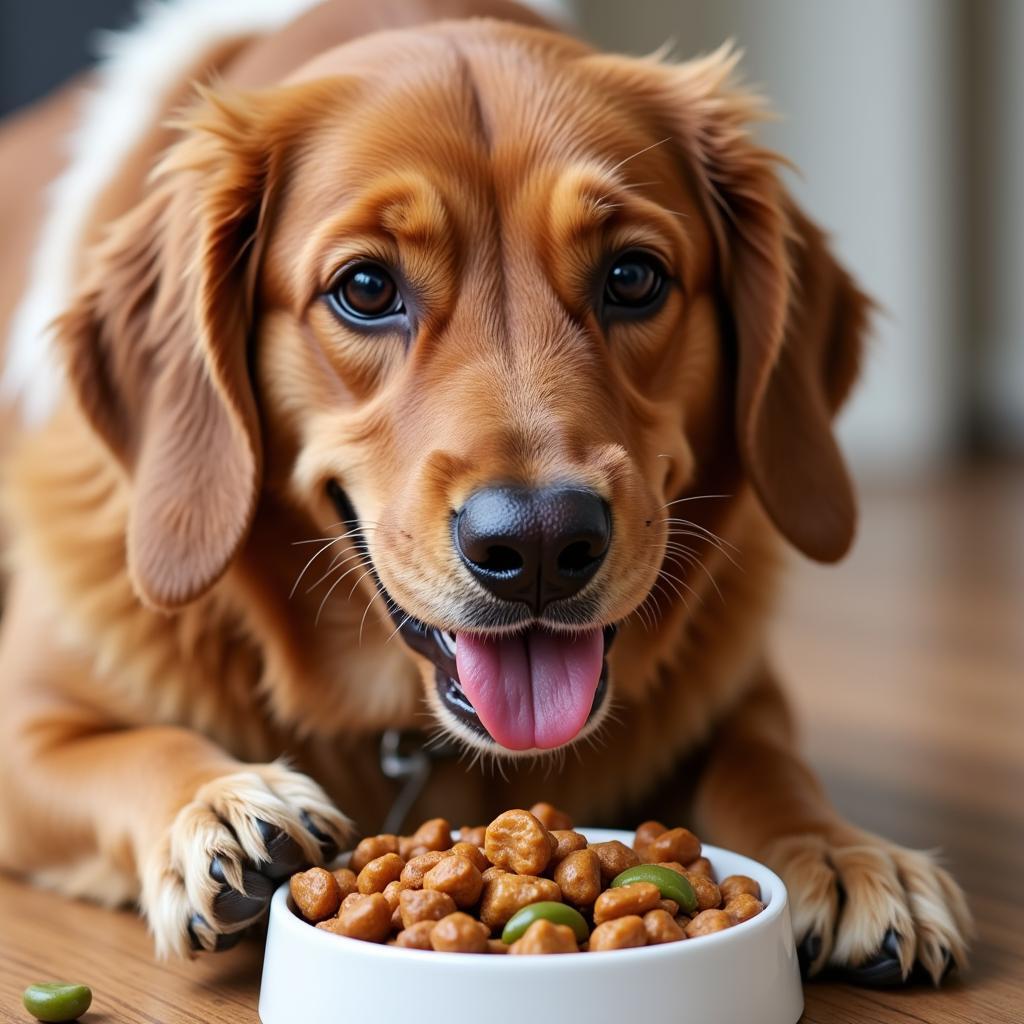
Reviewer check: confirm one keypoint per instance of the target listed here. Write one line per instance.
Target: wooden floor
(908, 667)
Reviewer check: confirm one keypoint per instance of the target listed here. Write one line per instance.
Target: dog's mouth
(534, 689)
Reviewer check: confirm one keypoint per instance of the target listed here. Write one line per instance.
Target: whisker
(708, 538)
(690, 557)
(320, 610)
(366, 611)
(639, 152)
(316, 540)
(329, 544)
(358, 581)
(692, 497)
(397, 630)
(703, 529)
(298, 579)
(671, 576)
(334, 567)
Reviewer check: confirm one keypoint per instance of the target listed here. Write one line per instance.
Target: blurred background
(904, 119)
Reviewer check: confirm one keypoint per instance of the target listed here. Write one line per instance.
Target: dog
(414, 367)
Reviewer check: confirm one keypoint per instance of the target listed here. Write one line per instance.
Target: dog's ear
(797, 318)
(155, 344)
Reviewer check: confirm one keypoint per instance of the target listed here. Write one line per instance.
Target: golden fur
(154, 669)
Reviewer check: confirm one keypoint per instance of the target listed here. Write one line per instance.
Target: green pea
(556, 913)
(671, 884)
(57, 1001)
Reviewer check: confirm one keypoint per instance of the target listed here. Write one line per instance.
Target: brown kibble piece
(701, 866)
(518, 842)
(621, 933)
(473, 834)
(435, 834)
(661, 927)
(346, 879)
(672, 865)
(379, 873)
(371, 848)
(391, 893)
(459, 933)
(669, 906)
(408, 848)
(708, 896)
(496, 946)
(644, 834)
(368, 919)
(742, 907)
(504, 894)
(315, 893)
(736, 884)
(471, 853)
(706, 922)
(332, 924)
(545, 937)
(579, 877)
(414, 870)
(551, 817)
(458, 877)
(566, 842)
(424, 905)
(351, 900)
(615, 857)
(416, 936)
(635, 899)
(492, 872)
(676, 844)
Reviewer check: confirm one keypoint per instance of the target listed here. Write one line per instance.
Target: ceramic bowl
(747, 974)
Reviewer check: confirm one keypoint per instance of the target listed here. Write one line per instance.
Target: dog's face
(488, 303)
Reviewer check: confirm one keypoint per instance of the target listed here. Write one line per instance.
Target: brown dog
(399, 370)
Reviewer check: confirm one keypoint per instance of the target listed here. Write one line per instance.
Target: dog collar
(408, 758)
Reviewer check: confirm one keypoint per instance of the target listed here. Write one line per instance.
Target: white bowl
(747, 974)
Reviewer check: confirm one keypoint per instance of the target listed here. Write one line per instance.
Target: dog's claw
(883, 970)
(330, 847)
(221, 943)
(807, 952)
(233, 907)
(284, 857)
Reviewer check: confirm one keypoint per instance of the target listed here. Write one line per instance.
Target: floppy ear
(799, 319)
(155, 343)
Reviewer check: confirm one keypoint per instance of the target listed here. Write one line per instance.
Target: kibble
(527, 883)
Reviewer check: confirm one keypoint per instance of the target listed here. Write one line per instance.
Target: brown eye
(635, 281)
(365, 291)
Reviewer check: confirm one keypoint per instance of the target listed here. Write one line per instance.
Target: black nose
(534, 546)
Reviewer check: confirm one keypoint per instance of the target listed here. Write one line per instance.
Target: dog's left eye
(635, 281)
(365, 291)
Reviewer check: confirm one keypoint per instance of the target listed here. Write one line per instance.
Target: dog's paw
(871, 910)
(214, 871)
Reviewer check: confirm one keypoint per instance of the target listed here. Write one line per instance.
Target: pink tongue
(532, 690)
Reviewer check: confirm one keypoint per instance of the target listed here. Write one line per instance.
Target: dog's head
(487, 303)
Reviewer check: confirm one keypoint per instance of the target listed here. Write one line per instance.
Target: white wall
(868, 92)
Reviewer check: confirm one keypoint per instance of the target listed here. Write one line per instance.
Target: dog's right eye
(364, 292)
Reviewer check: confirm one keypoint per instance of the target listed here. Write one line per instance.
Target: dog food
(525, 884)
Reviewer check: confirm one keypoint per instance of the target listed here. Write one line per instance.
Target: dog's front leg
(858, 901)
(157, 813)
